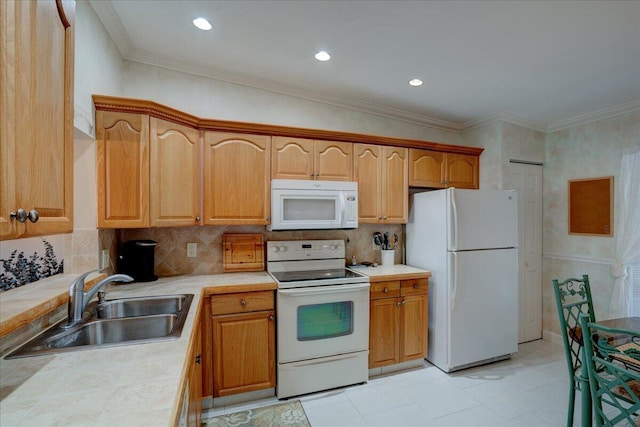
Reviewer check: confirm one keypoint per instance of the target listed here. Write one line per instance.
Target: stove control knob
(339, 246)
(332, 247)
(275, 248)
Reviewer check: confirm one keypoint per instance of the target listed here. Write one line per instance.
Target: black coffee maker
(135, 258)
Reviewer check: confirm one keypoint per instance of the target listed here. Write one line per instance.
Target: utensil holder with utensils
(387, 257)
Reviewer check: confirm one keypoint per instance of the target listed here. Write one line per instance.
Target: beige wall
(590, 150)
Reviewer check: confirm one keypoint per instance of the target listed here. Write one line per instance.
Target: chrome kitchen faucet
(79, 300)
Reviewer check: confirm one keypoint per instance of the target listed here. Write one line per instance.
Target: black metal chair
(573, 298)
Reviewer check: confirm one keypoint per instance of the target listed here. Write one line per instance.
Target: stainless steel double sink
(123, 321)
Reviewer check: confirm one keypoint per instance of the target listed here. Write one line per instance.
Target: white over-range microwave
(310, 205)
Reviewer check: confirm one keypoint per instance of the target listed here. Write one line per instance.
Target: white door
(482, 219)
(483, 318)
(527, 180)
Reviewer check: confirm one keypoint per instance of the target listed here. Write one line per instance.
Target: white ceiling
(543, 63)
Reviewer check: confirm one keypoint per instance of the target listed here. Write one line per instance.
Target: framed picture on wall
(591, 206)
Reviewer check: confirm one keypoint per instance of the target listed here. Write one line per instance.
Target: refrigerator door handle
(453, 229)
(453, 266)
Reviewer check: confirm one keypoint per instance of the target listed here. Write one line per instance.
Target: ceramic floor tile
(378, 398)
(411, 415)
(342, 414)
(440, 398)
(478, 416)
(531, 389)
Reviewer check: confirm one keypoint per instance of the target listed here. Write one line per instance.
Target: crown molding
(601, 114)
(502, 117)
(112, 24)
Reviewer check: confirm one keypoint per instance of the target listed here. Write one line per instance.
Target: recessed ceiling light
(323, 56)
(415, 82)
(202, 23)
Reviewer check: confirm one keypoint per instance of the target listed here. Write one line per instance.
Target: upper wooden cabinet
(123, 169)
(237, 184)
(299, 158)
(436, 169)
(175, 174)
(381, 173)
(36, 117)
(148, 172)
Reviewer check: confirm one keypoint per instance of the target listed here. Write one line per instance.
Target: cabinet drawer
(385, 289)
(241, 302)
(414, 287)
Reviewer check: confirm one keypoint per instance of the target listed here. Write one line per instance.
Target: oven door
(322, 321)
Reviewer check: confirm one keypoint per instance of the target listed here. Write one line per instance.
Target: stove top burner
(318, 275)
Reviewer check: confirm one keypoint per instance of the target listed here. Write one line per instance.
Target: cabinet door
(383, 332)
(175, 174)
(123, 169)
(426, 168)
(237, 178)
(368, 174)
(36, 112)
(243, 352)
(292, 158)
(333, 161)
(413, 327)
(395, 186)
(462, 171)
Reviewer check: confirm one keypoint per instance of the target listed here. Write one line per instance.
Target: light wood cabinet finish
(382, 176)
(398, 321)
(300, 158)
(435, 169)
(243, 342)
(195, 380)
(123, 169)
(237, 185)
(36, 116)
(175, 174)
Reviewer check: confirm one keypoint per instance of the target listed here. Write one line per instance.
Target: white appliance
(304, 205)
(323, 317)
(468, 240)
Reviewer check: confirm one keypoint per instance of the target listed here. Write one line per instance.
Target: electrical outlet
(104, 259)
(192, 250)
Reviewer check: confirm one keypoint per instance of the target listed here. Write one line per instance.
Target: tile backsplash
(171, 251)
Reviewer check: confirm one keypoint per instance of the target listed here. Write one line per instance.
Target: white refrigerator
(468, 240)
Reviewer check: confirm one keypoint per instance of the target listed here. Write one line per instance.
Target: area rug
(288, 414)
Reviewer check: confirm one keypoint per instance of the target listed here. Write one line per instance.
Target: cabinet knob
(415, 286)
(271, 317)
(197, 219)
(399, 303)
(384, 217)
(385, 290)
(311, 174)
(243, 302)
(198, 359)
(21, 215)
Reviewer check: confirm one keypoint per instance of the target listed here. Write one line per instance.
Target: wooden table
(629, 323)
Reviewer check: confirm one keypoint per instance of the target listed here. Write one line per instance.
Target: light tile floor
(530, 389)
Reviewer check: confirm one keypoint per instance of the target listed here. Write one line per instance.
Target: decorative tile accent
(24, 261)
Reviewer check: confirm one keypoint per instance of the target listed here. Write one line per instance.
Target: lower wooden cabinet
(243, 345)
(397, 321)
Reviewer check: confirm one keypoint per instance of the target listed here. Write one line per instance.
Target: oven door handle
(319, 290)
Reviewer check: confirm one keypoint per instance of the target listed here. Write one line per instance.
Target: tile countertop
(126, 385)
(392, 272)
